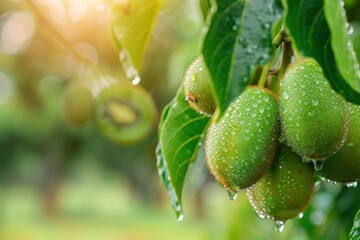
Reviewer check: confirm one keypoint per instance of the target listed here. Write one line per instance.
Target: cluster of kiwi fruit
(123, 113)
(265, 142)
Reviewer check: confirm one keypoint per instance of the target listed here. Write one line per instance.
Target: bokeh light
(16, 30)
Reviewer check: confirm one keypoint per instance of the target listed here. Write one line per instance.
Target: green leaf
(326, 42)
(205, 7)
(180, 134)
(131, 23)
(355, 231)
(238, 40)
(341, 43)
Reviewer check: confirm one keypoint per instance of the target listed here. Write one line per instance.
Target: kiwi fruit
(314, 118)
(241, 145)
(344, 166)
(197, 85)
(124, 113)
(77, 104)
(285, 190)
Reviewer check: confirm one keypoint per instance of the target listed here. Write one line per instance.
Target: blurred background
(59, 181)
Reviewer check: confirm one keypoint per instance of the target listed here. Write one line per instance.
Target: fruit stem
(264, 74)
(279, 38)
(286, 55)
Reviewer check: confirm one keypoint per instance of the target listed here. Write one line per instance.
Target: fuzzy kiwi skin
(241, 145)
(77, 104)
(314, 118)
(344, 166)
(285, 190)
(197, 85)
(125, 113)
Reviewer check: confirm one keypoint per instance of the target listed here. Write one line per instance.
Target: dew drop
(318, 164)
(300, 215)
(350, 29)
(261, 109)
(136, 80)
(260, 215)
(315, 102)
(279, 226)
(286, 95)
(310, 114)
(232, 195)
(180, 216)
(351, 184)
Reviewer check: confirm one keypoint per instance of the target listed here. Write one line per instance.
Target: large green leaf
(355, 231)
(342, 46)
(319, 31)
(238, 40)
(180, 134)
(131, 23)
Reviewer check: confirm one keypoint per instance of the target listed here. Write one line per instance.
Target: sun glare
(16, 29)
(70, 11)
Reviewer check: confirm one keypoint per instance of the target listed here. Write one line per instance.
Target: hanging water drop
(232, 195)
(179, 216)
(136, 80)
(279, 226)
(318, 164)
(351, 184)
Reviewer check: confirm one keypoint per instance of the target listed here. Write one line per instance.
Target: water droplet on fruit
(279, 226)
(286, 95)
(315, 102)
(301, 215)
(232, 195)
(318, 164)
(310, 114)
(351, 184)
(260, 215)
(261, 109)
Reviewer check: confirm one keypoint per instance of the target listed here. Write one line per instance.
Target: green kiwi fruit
(240, 147)
(344, 166)
(285, 190)
(314, 118)
(197, 85)
(124, 113)
(77, 104)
